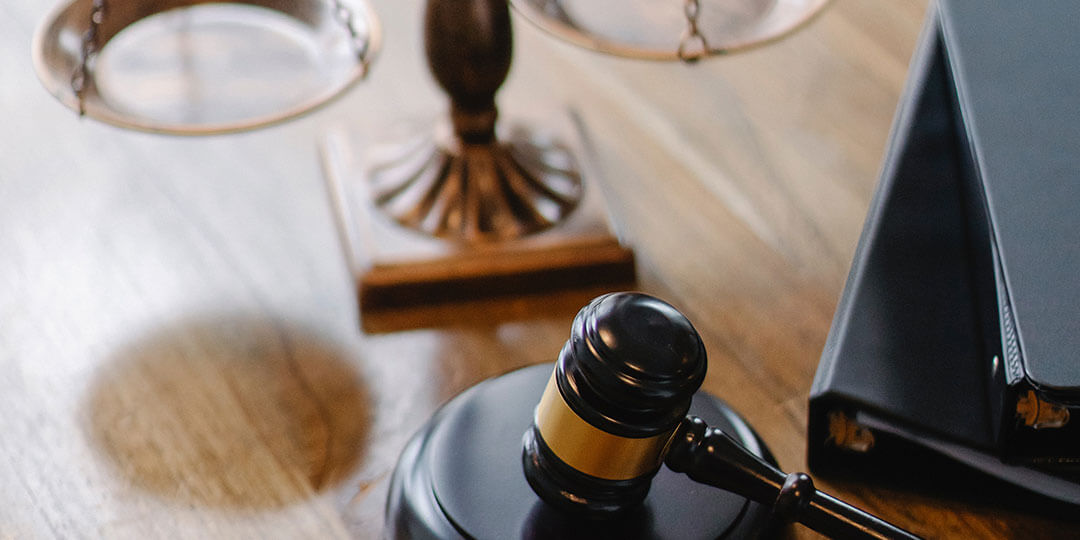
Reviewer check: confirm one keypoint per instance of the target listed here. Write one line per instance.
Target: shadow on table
(231, 411)
(563, 304)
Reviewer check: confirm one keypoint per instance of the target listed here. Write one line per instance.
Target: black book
(959, 328)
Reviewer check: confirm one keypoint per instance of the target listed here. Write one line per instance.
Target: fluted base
(425, 222)
(472, 193)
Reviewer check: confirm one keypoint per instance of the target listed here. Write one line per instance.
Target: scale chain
(80, 79)
(344, 16)
(693, 46)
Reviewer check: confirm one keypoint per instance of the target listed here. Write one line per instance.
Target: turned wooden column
(469, 45)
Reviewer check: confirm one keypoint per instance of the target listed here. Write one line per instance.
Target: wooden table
(179, 343)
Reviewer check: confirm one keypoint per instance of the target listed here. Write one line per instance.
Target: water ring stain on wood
(205, 411)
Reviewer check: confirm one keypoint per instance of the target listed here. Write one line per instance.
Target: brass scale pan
(173, 67)
(196, 67)
(666, 30)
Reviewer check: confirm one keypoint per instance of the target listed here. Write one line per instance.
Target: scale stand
(468, 211)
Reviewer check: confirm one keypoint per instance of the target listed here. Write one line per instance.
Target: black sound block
(461, 476)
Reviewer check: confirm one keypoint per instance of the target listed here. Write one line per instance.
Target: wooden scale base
(397, 267)
(461, 477)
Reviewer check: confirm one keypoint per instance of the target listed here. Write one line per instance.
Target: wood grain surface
(180, 355)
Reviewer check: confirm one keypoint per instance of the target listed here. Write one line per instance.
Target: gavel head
(622, 384)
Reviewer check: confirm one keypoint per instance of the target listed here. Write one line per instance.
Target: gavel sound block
(579, 453)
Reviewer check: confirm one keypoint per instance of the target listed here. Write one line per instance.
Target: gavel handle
(710, 456)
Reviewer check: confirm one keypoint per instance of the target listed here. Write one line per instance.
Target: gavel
(615, 411)
(611, 415)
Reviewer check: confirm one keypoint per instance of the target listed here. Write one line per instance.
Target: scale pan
(663, 29)
(198, 67)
